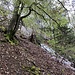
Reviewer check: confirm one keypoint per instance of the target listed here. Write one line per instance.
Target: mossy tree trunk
(16, 18)
(15, 21)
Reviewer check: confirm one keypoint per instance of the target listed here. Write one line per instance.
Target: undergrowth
(33, 70)
(11, 41)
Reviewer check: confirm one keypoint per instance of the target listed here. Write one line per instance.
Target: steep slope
(28, 59)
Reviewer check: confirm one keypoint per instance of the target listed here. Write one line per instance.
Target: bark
(15, 21)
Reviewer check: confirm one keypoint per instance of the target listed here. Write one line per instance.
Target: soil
(15, 59)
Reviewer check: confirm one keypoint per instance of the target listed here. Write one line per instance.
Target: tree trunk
(14, 25)
(15, 21)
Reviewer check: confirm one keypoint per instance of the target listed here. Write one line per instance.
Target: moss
(48, 74)
(11, 41)
(33, 70)
(2, 28)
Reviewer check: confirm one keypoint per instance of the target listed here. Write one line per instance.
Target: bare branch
(39, 14)
(62, 5)
(27, 14)
(48, 15)
(65, 9)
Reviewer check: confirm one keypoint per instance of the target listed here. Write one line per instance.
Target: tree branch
(22, 6)
(39, 14)
(49, 16)
(27, 14)
(62, 5)
(64, 8)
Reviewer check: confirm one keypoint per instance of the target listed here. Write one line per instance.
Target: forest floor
(26, 58)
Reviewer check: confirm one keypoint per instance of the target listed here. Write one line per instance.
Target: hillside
(28, 59)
